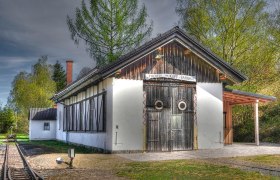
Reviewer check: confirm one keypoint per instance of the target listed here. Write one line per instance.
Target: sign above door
(171, 76)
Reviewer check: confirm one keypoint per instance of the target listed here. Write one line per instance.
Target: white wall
(124, 117)
(37, 132)
(128, 128)
(210, 115)
(101, 140)
(97, 140)
(60, 135)
(124, 108)
(109, 113)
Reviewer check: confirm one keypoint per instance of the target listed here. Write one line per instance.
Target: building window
(87, 115)
(46, 126)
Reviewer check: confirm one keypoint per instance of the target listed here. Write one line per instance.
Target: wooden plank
(174, 61)
(178, 136)
(228, 130)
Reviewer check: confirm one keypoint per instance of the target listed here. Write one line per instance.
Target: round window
(182, 105)
(159, 104)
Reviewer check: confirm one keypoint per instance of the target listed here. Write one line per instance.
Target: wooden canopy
(236, 97)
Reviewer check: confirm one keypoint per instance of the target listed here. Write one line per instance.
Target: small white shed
(42, 123)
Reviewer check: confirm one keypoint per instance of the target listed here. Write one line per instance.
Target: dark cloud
(32, 28)
(38, 27)
(163, 14)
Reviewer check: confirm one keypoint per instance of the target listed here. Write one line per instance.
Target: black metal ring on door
(182, 105)
(158, 104)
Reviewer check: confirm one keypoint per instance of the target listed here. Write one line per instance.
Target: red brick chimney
(69, 71)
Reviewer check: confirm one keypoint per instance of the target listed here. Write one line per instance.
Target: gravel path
(234, 150)
(86, 166)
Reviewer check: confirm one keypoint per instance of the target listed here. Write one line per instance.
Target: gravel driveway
(234, 150)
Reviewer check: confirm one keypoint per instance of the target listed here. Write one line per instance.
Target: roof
(42, 114)
(175, 34)
(235, 97)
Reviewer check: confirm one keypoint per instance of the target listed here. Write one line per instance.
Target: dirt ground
(86, 166)
(106, 166)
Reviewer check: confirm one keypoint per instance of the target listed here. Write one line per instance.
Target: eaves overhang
(175, 34)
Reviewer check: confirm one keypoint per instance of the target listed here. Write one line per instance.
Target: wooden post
(256, 117)
(230, 124)
(144, 120)
(195, 130)
(195, 142)
(228, 134)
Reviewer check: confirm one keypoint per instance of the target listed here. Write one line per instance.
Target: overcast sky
(32, 28)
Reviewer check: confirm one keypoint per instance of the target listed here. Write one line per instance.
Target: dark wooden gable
(171, 58)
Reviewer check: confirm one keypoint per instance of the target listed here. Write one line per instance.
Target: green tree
(236, 30)
(269, 124)
(274, 38)
(59, 76)
(33, 89)
(230, 27)
(241, 32)
(109, 28)
(274, 25)
(7, 119)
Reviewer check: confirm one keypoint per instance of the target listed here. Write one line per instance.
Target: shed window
(86, 115)
(46, 126)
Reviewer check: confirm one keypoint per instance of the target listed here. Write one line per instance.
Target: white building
(166, 95)
(42, 124)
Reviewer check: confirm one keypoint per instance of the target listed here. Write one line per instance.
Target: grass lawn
(270, 160)
(174, 169)
(184, 169)
(20, 137)
(61, 147)
(108, 166)
(2, 136)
